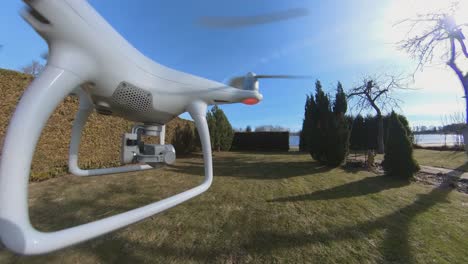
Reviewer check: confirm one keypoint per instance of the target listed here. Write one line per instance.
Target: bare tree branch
(427, 33)
(377, 93)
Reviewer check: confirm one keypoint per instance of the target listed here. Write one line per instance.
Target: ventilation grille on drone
(132, 98)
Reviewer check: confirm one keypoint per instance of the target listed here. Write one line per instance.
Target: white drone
(89, 58)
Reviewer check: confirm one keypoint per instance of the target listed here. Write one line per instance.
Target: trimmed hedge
(101, 139)
(261, 141)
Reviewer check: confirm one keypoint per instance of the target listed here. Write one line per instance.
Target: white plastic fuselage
(82, 42)
(89, 58)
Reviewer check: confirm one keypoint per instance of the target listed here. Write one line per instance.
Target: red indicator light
(250, 101)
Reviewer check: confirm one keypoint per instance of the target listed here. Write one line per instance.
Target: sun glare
(399, 10)
(461, 14)
(435, 78)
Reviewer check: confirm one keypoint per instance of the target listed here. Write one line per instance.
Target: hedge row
(101, 140)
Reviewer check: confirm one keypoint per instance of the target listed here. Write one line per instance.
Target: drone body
(83, 43)
(89, 58)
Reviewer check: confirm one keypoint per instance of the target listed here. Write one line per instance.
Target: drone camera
(134, 150)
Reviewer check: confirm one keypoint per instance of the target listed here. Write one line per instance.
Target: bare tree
(35, 68)
(377, 93)
(430, 33)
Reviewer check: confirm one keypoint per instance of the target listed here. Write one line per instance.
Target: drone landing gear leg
(85, 109)
(36, 105)
(33, 110)
(162, 135)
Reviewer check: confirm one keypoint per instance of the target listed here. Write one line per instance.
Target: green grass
(442, 159)
(262, 208)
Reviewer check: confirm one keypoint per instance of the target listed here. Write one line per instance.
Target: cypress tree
(227, 133)
(319, 110)
(302, 139)
(338, 130)
(324, 117)
(221, 132)
(403, 121)
(358, 139)
(212, 128)
(405, 124)
(398, 158)
(341, 104)
(327, 131)
(337, 142)
(312, 131)
(305, 126)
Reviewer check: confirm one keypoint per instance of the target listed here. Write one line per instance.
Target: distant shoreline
(435, 133)
(422, 140)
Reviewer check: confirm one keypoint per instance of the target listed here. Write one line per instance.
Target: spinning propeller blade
(244, 21)
(238, 82)
(282, 76)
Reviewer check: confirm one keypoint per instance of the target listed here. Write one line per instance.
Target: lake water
(423, 140)
(294, 141)
(438, 140)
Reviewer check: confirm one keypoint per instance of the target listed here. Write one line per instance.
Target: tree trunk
(465, 130)
(463, 79)
(465, 138)
(465, 87)
(380, 135)
(380, 128)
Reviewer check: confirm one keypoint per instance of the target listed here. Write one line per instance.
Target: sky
(339, 40)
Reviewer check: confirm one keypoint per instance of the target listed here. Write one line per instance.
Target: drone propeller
(243, 21)
(248, 81)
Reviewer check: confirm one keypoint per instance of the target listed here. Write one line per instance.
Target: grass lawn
(442, 159)
(262, 208)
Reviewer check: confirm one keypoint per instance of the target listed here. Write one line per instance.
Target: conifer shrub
(221, 132)
(326, 127)
(398, 158)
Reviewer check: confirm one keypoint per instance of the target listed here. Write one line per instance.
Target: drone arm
(85, 109)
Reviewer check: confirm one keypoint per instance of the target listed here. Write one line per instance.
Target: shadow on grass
(267, 153)
(395, 246)
(96, 203)
(115, 248)
(369, 185)
(245, 167)
(112, 247)
(354, 166)
(108, 248)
